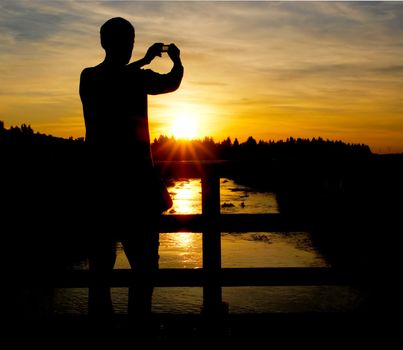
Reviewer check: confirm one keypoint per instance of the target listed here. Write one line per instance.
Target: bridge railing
(212, 277)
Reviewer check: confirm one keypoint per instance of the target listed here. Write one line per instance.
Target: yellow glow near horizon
(184, 125)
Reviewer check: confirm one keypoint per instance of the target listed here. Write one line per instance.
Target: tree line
(169, 148)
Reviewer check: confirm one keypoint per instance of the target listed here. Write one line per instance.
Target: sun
(184, 126)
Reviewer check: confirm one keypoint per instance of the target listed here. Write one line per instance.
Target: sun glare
(184, 126)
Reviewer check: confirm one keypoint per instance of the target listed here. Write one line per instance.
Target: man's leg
(142, 252)
(101, 262)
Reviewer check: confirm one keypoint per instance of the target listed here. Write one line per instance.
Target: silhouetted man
(124, 194)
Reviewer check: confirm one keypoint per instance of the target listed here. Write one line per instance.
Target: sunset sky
(265, 69)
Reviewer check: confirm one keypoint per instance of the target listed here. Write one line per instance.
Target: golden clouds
(271, 70)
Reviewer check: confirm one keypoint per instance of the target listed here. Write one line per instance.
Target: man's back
(115, 105)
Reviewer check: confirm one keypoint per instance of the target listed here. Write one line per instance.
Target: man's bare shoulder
(89, 72)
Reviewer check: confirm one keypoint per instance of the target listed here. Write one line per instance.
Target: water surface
(267, 249)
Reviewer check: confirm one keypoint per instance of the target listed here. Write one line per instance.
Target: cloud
(395, 69)
(27, 21)
(242, 59)
(209, 83)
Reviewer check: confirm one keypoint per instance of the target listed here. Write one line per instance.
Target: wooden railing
(212, 277)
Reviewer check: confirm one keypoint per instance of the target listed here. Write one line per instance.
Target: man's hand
(153, 51)
(156, 50)
(174, 53)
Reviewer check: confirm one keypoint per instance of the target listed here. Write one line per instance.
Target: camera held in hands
(165, 48)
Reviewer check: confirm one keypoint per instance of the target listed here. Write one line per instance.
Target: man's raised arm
(162, 83)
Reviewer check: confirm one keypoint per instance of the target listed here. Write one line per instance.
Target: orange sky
(264, 69)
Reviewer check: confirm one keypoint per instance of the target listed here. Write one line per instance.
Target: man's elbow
(166, 88)
(177, 82)
(177, 79)
(174, 87)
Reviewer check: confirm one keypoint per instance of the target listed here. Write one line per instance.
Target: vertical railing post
(212, 296)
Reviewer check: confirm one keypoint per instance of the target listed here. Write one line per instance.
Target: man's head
(117, 39)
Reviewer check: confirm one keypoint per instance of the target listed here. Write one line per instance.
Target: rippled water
(268, 249)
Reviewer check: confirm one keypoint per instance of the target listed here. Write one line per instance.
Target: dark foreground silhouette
(123, 193)
(351, 199)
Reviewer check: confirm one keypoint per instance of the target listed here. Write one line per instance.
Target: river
(268, 249)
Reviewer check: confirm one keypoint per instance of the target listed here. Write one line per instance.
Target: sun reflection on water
(182, 249)
(186, 197)
(184, 239)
